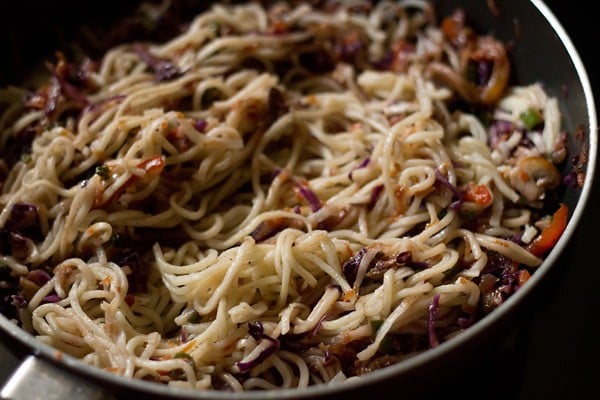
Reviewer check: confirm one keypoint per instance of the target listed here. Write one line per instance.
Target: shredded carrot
(191, 344)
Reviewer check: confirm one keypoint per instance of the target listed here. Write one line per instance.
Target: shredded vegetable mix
(283, 194)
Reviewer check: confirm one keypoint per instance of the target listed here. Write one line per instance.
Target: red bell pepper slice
(550, 233)
(151, 166)
(479, 194)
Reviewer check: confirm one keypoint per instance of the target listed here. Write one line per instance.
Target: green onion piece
(531, 118)
(102, 171)
(376, 324)
(183, 354)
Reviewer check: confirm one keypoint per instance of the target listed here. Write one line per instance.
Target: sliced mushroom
(533, 175)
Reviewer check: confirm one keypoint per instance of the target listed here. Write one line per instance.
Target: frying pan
(541, 51)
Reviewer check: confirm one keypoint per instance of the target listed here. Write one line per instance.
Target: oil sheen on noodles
(279, 196)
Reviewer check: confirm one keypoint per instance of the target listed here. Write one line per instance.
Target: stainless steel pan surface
(540, 50)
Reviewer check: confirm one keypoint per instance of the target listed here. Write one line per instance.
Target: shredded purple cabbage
(255, 329)
(19, 245)
(350, 266)
(38, 276)
(19, 301)
(456, 194)
(310, 196)
(100, 105)
(364, 163)
(72, 93)
(484, 72)
(433, 310)
(200, 125)
(375, 194)
(405, 258)
(164, 70)
(22, 216)
(51, 298)
(379, 264)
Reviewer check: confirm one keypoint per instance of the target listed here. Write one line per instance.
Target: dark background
(554, 353)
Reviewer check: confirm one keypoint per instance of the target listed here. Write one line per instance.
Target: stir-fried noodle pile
(279, 196)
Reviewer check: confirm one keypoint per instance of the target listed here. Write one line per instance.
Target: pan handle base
(36, 378)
